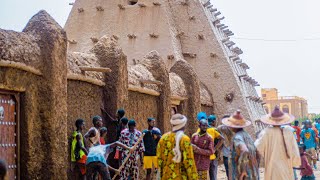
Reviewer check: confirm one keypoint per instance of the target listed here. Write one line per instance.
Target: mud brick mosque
(148, 56)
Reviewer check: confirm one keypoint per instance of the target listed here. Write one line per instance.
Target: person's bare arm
(81, 145)
(112, 169)
(91, 133)
(220, 143)
(109, 116)
(117, 143)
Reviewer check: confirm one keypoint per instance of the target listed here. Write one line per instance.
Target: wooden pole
(127, 158)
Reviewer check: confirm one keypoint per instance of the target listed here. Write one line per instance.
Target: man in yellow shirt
(213, 170)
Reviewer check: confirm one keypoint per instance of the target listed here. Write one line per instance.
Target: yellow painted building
(294, 105)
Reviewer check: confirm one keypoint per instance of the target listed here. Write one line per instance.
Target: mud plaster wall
(32, 138)
(226, 80)
(132, 20)
(192, 105)
(207, 109)
(140, 107)
(84, 100)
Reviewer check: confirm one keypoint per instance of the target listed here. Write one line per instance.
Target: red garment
(82, 164)
(102, 141)
(298, 132)
(307, 171)
(203, 151)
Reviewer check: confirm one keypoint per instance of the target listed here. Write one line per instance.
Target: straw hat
(277, 118)
(236, 121)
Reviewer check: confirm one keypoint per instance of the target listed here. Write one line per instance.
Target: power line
(277, 40)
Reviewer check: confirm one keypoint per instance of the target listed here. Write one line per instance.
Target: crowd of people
(285, 148)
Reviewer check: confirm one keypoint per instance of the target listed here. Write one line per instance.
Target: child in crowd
(306, 169)
(103, 135)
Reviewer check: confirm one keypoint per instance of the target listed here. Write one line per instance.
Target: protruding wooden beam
(142, 5)
(153, 35)
(243, 75)
(213, 55)
(213, 10)
(72, 41)
(131, 36)
(94, 39)
(188, 54)
(95, 69)
(148, 81)
(219, 25)
(217, 14)
(170, 57)
(192, 18)
(156, 3)
(223, 27)
(200, 36)
(80, 10)
(225, 40)
(121, 7)
(207, 3)
(210, 6)
(100, 8)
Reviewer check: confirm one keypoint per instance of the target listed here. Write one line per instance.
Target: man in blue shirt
(308, 137)
(97, 160)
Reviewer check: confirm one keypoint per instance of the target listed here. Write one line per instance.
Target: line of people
(175, 156)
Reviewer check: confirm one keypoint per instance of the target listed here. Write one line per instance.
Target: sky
(280, 38)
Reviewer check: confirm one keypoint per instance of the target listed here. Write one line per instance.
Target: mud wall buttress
(52, 95)
(115, 93)
(157, 67)
(192, 105)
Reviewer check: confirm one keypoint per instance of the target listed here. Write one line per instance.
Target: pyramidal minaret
(179, 30)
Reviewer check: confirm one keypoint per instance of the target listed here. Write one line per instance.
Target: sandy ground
(222, 172)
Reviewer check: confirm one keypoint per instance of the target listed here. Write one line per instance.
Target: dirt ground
(222, 172)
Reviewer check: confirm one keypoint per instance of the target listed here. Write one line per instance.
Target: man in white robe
(278, 147)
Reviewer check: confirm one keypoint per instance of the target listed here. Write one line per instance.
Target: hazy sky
(280, 38)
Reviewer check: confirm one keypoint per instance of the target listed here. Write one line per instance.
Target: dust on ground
(222, 172)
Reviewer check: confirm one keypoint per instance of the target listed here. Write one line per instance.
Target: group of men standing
(175, 156)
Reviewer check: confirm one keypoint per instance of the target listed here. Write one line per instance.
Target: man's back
(169, 169)
(271, 146)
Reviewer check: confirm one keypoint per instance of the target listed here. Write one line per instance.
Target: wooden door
(9, 134)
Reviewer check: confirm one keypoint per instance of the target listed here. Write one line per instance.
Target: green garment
(76, 151)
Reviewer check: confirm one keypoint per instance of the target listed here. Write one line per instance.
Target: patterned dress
(248, 163)
(131, 167)
(169, 170)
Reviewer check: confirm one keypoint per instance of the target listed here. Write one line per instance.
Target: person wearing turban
(175, 153)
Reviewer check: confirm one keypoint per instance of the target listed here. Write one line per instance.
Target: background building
(294, 105)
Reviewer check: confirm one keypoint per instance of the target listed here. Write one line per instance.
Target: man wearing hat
(226, 152)
(151, 138)
(175, 153)
(244, 160)
(278, 146)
